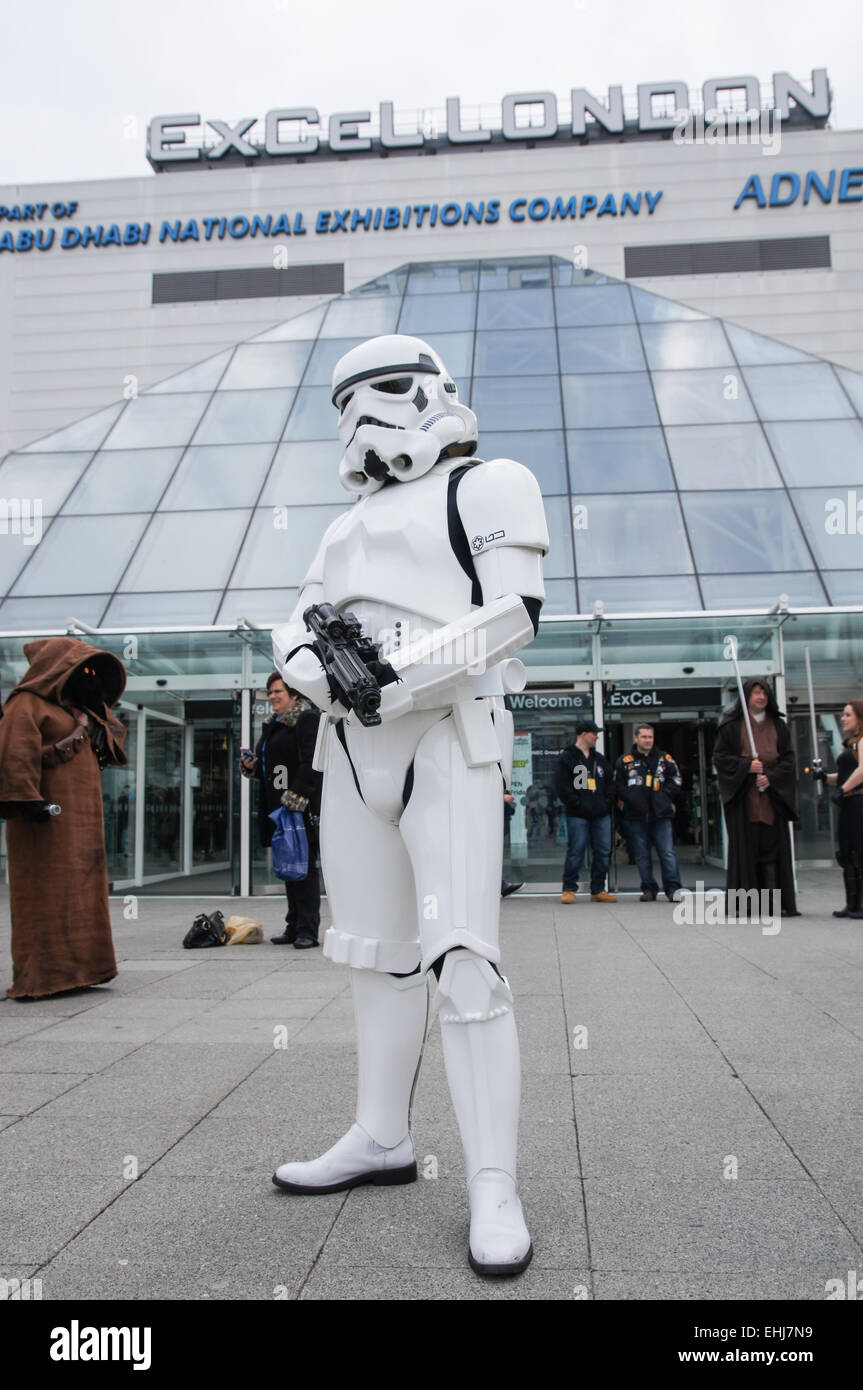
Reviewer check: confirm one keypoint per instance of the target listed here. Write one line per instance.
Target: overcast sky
(81, 80)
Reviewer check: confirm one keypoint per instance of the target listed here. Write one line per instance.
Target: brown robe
(58, 873)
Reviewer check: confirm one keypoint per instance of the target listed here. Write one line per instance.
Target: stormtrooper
(441, 561)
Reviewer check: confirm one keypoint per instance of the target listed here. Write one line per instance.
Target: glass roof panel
(580, 305)
(664, 594)
(164, 610)
(81, 554)
(176, 553)
(245, 417)
(255, 366)
(218, 475)
(803, 588)
(303, 326)
(703, 397)
(602, 400)
(46, 479)
(743, 531)
(443, 277)
(833, 521)
(627, 460)
(304, 474)
(853, 384)
(269, 607)
(314, 416)
(559, 596)
(204, 376)
(16, 549)
(515, 273)
(31, 614)
(648, 539)
(806, 392)
(123, 480)
(558, 562)
(676, 346)
(531, 308)
(437, 313)
(86, 434)
(508, 403)
(153, 421)
(365, 318)
(272, 550)
(515, 352)
(753, 349)
(843, 586)
(653, 308)
(822, 451)
(614, 347)
(721, 456)
(325, 354)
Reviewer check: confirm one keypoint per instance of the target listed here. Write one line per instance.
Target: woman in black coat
(759, 795)
(848, 778)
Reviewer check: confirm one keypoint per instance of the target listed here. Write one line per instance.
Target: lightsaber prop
(816, 761)
(729, 651)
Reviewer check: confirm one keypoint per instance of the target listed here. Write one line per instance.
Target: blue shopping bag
(290, 845)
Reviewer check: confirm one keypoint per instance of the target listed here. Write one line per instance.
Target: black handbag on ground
(206, 931)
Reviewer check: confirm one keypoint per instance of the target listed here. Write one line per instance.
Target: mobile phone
(246, 753)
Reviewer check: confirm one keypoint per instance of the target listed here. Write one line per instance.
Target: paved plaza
(692, 1116)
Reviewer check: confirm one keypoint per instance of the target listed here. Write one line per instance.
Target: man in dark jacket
(585, 785)
(648, 782)
(283, 763)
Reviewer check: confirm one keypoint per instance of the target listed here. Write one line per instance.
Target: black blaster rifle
(352, 661)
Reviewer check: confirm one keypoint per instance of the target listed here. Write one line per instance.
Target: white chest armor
(391, 557)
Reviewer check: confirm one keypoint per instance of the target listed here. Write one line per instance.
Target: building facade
(667, 332)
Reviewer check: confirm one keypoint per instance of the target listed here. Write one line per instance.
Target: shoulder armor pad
(500, 504)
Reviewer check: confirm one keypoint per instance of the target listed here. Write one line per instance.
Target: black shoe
(287, 938)
(647, 897)
(303, 943)
(511, 888)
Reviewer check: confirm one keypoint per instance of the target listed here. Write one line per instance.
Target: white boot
(354, 1160)
(480, 1046)
(391, 1017)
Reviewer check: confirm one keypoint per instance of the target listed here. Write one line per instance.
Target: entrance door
(697, 820)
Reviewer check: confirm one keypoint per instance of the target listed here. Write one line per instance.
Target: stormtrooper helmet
(399, 413)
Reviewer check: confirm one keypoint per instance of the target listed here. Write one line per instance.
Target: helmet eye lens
(346, 402)
(396, 386)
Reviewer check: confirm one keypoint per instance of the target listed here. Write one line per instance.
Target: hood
(736, 711)
(53, 660)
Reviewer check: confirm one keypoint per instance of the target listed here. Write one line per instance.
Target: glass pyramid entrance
(686, 463)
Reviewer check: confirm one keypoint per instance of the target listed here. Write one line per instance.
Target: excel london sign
(299, 132)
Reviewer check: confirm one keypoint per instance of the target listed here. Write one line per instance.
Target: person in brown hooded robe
(759, 795)
(56, 734)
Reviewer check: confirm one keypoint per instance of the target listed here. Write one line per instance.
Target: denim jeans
(657, 832)
(580, 831)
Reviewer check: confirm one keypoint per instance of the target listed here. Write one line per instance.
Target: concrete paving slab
(359, 1282)
(22, 1092)
(36, 1220)
(36, 1055)
(677, 1127)
(54, 1152)
(180, 1235)
(19, 1021)
(783, 1286)
(689, 1226)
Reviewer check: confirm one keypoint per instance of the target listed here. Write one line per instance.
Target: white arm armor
(303, 670)
(500, 506)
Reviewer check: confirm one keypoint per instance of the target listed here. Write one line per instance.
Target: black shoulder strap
(457, 535)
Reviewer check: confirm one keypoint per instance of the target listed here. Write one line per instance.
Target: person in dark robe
(56, 734)
(848, 779)
(758, 788)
